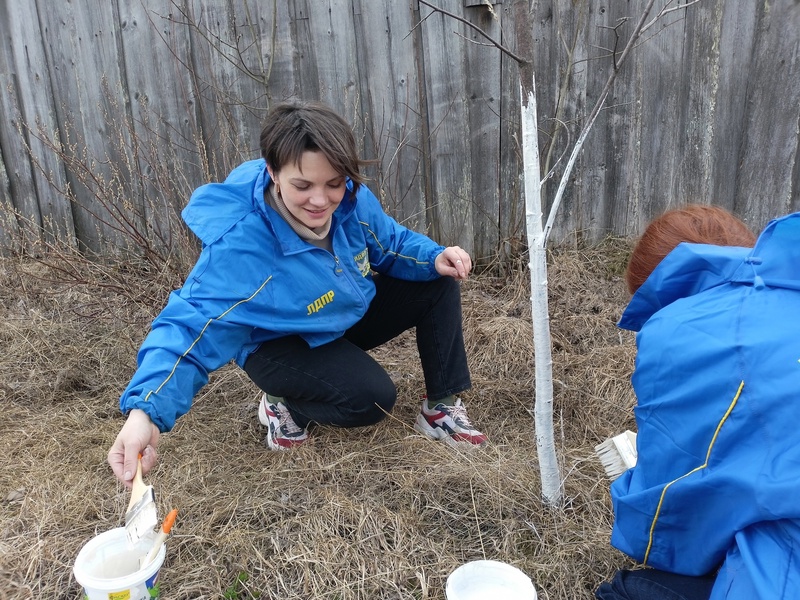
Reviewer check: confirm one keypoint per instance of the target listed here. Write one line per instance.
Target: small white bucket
(108, 568)
(489, 580)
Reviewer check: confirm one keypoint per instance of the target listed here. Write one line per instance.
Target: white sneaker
(448, 423)
(283, 433)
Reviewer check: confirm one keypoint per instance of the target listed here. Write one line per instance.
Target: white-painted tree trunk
(537, 251)
(537, 248)
(537, 233)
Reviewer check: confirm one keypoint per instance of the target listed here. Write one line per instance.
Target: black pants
(340, 384)
(652, 584)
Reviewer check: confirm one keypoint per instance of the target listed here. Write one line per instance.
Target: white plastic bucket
(489, 580)
(108, 568)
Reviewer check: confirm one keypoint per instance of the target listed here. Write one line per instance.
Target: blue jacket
(717, 381)
(256, 280)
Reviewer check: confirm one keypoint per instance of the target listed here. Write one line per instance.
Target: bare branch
(551, 172)
(419, 24)
(593, 116)
(665, 11)
(619, 24)
(494, 42)
(609, 52)
(469, 41)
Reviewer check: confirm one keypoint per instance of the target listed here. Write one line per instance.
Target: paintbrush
(161, 537)
(141, 516)
(618, 454)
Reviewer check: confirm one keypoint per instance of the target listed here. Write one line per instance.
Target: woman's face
(311, 189)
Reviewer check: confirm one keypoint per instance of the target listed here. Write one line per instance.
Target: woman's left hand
(453, 262)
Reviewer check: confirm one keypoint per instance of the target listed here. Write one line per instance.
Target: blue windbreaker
(256, 280)
(717, 381)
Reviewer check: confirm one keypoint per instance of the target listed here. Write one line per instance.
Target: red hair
(694, 223)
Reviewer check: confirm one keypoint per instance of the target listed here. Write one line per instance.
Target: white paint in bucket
(489, 580)
(108, 568)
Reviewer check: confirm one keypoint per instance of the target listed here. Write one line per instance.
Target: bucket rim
(469, 570)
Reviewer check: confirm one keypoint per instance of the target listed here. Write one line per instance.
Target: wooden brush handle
(138, 487)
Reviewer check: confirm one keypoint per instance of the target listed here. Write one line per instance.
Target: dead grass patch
(376, 513)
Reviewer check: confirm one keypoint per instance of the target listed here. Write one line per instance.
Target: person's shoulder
(247, 172)
(777, 251)
(215, 208)
(686, 271)
(367, 203)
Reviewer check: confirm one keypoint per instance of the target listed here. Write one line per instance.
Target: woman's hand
(138, 436)
(453, 262)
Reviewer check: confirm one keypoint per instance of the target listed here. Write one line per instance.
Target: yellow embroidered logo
(362, 262)
(320, 302)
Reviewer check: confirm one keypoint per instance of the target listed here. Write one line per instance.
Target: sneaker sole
(272, 445)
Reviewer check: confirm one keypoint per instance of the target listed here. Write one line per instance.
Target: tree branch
(592, 117)
(497, 44)
(666, 10)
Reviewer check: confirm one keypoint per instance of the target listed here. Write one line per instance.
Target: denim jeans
(339, 383)
(652, 584)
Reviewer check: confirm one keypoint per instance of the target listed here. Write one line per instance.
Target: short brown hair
(694, 223)
(295, 127)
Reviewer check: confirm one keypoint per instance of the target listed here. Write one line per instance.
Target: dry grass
(378, 513)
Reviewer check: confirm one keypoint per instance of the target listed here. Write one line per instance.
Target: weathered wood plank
(230, 70)
(483, 92)
(773, 109)
(326, 55)
(332, 32)
(706, 110)
(305, 65)
(155, 50)
(660, 93)
(736, 39)
(81, 48)
(615, 174)
(32, 129)
(392, 121)
(9, 228)
(278, 43)
(564, 64)
(448, 119)
(511, 206)
(16, 179)
(693, 178)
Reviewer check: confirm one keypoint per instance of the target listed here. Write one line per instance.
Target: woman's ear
(274, 180)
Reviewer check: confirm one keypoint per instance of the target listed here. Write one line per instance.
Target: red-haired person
(712, 505)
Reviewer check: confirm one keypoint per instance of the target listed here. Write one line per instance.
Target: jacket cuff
(149, 409)
(432, 261)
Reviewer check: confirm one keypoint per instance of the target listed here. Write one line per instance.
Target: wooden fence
(114, 111)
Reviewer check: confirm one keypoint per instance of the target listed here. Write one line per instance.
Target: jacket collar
(693, 268)
(689, 269)
(289, 241)
(215, 208)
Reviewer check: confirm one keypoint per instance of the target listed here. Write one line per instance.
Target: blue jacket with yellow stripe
(717, 381)
(257, 280)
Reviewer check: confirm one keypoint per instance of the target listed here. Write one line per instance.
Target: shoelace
(459, 414)
(287, 422)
